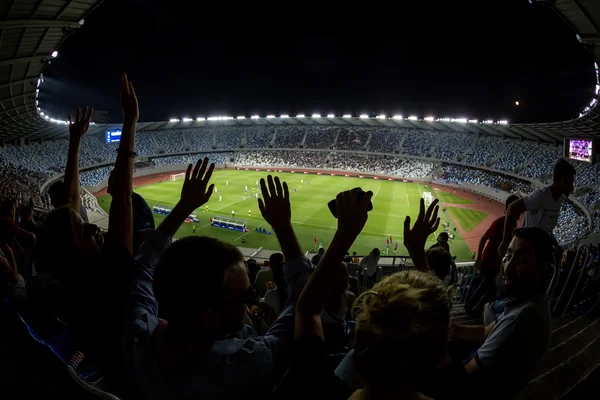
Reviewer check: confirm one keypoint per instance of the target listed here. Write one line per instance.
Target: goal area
(176, 177)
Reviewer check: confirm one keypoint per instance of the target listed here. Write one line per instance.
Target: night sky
(471, 60)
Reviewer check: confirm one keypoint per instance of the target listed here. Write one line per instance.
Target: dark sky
(468, 60)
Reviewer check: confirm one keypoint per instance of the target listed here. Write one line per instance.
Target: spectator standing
(369, 263)
(488, 262)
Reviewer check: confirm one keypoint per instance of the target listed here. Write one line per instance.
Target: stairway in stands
(571, 367)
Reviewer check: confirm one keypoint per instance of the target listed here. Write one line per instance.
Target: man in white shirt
(542, 206)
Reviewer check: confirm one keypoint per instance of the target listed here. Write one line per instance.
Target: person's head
(8, 210)
(509, 200)
(26, 213)
(528, 262)
(202, 287)
(321, 251)
(443, 238)
(563, 177)
(58, 194)
(375, 252)
(275, 259)
(253, 269)
(353, 254)
(403, 321)
(440, 261)
(64, 237)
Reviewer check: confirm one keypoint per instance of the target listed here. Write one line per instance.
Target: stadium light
(429, 119)
(284, 116)
(241, 117)
(473, 121)
(364, 116)
(219, 118)
(330, 116)
(412, 118)
(461, 120)
(593, 102)
(46, 117)
(597, 89)
(381, 116)
(187, 120)
(42, 113)
(316, 115)
(200, 119)
(397, 117)
(255, 117)
(173, 120)
(488, 121)
(270, 116)
(347, 115)
(54, 54)
(443, 119)
(300, 116)
(503, 122)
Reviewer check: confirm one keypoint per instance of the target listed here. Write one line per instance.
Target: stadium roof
(30, 31)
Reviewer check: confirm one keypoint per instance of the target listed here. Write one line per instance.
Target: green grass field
(452, 198)
(469, 219)
(392, 201)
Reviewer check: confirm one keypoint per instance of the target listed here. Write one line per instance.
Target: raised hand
(129, 101)
(82, 122)
(194, 193)
(275, 202)
(352, 213)
(425, 224)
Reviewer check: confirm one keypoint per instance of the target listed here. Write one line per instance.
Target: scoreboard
(581, 150)
(113, 135)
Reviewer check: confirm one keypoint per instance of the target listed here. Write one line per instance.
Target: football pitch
(309, 195)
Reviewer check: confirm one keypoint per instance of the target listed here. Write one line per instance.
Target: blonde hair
(402, 328)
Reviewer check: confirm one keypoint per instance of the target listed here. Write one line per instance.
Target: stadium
(470, 166)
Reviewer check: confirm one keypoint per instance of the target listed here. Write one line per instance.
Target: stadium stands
(48, 158)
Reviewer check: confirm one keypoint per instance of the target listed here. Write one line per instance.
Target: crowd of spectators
(289, 136)
(376, 164)
(351, 138)
(168, 141)
(460, 174)
(282, 158)
(572, 225)
(385, 140)
(259, 138)
(484, 151)
(418, 142)
(198, 140)
(451, 145)
(92, 177)
(320, 137)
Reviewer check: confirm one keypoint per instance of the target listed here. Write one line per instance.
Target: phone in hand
(333, 206)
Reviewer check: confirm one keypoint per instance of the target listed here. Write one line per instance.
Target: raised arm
(352, 216)
(120, 217)
(512, 216)
(426, 223)
(276, 210)
(76, 131)
(142, 302)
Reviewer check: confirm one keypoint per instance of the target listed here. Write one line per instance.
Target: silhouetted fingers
(188, 171)
(421, 209)
(286, 192)
(271, 186)
(261, 203)
(263, 188)
(209, 173)
(435, 226)
(70, 122)
(278, 186)
(196, 169)
(209, 192)
(406, 226)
